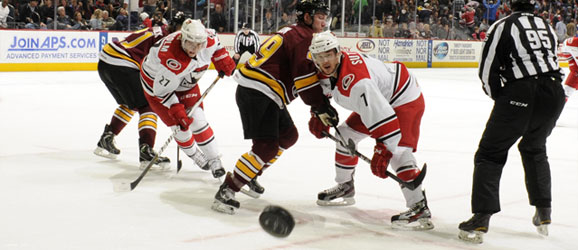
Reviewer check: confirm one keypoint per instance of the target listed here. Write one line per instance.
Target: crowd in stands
(422, 19)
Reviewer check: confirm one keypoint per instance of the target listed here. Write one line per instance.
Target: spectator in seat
(107, 21)
(78, 22)
(218, 19)
(96, 20)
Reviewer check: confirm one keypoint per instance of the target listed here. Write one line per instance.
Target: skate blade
(247, 191)
(165, 166)
(337, 202)
(542, 229)
(223, 208)
(121, 187)
(419, 225)
(104, 153)
(476, 237)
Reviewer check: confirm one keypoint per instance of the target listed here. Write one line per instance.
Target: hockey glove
(380, 160)
(327, 115)
(177, 112)
(316, 127)
(224, 64)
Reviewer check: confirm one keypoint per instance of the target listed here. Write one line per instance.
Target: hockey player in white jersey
(569, 52)
(387, 105)
(169, 76)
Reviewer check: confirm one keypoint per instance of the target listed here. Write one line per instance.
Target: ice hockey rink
(56, 194)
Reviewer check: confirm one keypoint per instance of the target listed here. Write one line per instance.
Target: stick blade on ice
(122, 186)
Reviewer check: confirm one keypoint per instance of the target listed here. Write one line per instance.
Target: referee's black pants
(526, 108)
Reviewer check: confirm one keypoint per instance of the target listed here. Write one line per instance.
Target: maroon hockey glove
(316, 127)
(177, 112)
(224, 64)
(380, 160)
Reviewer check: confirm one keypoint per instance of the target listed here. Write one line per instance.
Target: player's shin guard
(147, 127)
(247, 168)
(205, 138)
(254, 188)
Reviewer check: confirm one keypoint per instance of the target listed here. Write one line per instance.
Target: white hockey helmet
(324, 41)
(193, 31)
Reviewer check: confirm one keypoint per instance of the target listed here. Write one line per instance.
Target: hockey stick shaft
(190, 113)
(351, 147)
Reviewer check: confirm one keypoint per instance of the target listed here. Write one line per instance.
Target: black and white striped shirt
(248, 42)
(518, 46)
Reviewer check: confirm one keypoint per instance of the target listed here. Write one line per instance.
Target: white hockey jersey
(372, 89)
(167, 68)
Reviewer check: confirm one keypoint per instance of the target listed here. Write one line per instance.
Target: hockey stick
(412, 185)
(124, 186)
(179, 162)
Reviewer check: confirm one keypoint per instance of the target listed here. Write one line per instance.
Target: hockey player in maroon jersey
(570, 53)
(387, 106)
(119, 68)
(273, 77)
(169, 76)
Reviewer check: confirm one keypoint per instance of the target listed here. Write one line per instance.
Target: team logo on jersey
(347, 80)
(173, 64)
(365, 45)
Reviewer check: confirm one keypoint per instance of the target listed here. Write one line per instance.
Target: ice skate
(147, 154)
(225, 200)
(474, 229)
(201, 160)
(418, 217)
(105, 146)
(253, 189)
(216, 167)
(542, 219)
(340, 195)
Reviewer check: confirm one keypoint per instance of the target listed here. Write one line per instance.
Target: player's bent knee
(288, 137)
(266, 149)
(408, 174)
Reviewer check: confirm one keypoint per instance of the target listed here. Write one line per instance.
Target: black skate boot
(201, 160)
(474, 229)
(542, 219)
(225, 200)
(216, 167)
(254, 189)
(340, 195)
(147, 154)
(105, 146)
(418, 217)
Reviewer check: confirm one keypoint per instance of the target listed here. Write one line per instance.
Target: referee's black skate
(147, 154)
(340, 195)
(253, 189)
(474, 229)
(225, 200)
(542, 219)
(105, 146)
(418, 217)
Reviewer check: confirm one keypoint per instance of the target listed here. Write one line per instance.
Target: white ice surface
(56, 194)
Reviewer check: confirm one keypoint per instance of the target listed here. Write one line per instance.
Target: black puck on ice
(277, 221)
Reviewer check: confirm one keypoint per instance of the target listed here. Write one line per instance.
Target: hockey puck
(276, 221)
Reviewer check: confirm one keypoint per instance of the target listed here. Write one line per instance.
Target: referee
(519, 71)
(246, 40)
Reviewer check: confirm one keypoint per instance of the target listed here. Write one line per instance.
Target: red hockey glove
(177, 112)
(223, 63)
(316, 127)
(380, 160)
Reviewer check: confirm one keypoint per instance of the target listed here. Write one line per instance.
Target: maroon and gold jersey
(132, 50)
(280, 68)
